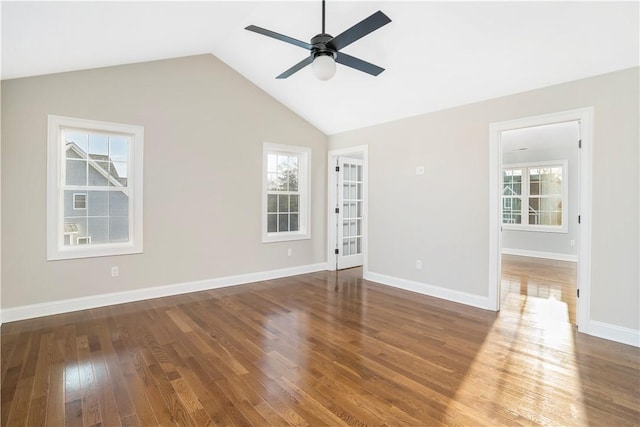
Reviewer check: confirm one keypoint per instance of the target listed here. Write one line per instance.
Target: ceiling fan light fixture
(324, 66)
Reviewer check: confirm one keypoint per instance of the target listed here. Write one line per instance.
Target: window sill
(538, 229)
(284, 237)
(93, 251)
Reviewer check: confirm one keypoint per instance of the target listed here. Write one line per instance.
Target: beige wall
(442, 216)
(204, 128)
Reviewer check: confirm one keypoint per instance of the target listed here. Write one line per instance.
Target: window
(534, 196)
(94, 199)
(79, 201)
(285, 199)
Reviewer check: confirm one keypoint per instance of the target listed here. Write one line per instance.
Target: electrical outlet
(572, 242)
(289, 252)
(419, 265)
(115, 272)
(420, 170)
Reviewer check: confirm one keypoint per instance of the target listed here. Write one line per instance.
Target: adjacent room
(320, 213)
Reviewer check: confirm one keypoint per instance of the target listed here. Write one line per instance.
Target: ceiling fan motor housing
(321, 46)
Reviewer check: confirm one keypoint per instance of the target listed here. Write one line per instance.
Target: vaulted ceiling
(436, 54)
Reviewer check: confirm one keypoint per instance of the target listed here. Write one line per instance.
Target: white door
(349, 212)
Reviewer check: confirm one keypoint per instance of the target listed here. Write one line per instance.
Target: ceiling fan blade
(358, 64)
(279, 36)
(359, 30)
(299, 66)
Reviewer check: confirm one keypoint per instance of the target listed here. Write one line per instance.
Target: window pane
(98, 229)
(119, 149)
(118, 204)
(74, 228)
(98, 203)
(69, 211)
(293, 223)
(119, 173)
(283, 165)
(118, 229)
(293, 173)
(283, 203)
(282, 183)
(272, 161)
(345, 228)
(76, 172)
(98, 173)
(77, 144)
(293, 203)
(98, 147)
(345, 247)
(272, 203)
(283, 222)
(272, 182)
(534, 188)
(272, 223)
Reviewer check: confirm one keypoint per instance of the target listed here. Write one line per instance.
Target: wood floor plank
(326, 348)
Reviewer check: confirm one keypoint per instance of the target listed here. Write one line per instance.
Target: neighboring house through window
(94, 188)
(534, 196)
(285, 195)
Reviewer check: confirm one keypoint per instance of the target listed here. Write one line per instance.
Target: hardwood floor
(318, 349)
(544, 286)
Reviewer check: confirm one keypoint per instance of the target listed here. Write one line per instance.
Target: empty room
(314, 213)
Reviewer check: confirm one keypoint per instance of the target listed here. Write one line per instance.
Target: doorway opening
(347, 206)
(540, 200)
(540, 194)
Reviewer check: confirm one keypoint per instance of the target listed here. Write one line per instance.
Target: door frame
(332, 157)
(584, 116)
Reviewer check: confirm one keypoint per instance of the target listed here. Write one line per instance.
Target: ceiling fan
(325, 49)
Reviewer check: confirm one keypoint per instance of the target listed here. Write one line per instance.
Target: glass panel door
(350, 215)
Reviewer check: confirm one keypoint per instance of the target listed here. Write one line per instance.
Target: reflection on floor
(543, 286)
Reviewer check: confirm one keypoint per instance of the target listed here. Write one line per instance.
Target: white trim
(83, 303)
(332, 182)
(56, 249)
(540, 254)
(304, 189)
(585, 117)
(430, 290)
(615, 333)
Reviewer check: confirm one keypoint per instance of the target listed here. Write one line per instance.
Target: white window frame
(304, 186)
(56, 249)
(525, 226)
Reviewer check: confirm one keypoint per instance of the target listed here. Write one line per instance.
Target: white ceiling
(436, 54)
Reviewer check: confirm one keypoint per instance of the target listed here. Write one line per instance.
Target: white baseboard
(433, 291)
(539, 254)
(614, 333)
(30, 311)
